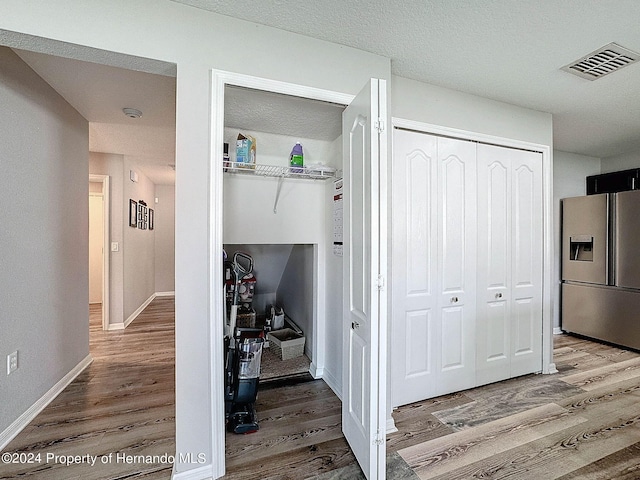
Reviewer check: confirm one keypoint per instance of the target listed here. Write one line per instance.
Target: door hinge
(379, 125)
(378, 440)
(380, 282)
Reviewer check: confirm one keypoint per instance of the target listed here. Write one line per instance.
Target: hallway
(121, 406)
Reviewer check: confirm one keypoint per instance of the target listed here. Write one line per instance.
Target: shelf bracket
(275, 204)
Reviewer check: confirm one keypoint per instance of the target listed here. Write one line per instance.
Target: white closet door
(526, 267)
(510, 263)
(456, 265)
(415, 331)
(494, 266)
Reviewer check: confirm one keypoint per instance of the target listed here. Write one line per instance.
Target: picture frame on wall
(142, 215)
(133, 213)
(151, 213)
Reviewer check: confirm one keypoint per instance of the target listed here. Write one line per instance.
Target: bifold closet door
(509, 309)
(414, 324)
(433, 326)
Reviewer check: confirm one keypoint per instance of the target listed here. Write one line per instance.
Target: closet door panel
(527, 245)
(413, 326)
(494, 264)
(457, 263)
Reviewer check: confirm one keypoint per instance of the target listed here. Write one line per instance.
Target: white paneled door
(433, 329)
(364, 365)
(510, 240)
(467, 257)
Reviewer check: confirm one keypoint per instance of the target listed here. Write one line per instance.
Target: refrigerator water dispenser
(581, 248)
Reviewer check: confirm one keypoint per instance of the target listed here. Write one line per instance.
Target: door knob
(498, 295)
(354, 325)
(454, 299)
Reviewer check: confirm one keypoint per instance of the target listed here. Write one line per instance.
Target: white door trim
(547, 192)
(219, 79)
(104, 179)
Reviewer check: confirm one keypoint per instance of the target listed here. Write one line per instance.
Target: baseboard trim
(139, 310)
(391, 425)
(23, 420)
(165, 294)
(115, 326)
(314, 371)
(200, 473)
(557, 331)
(330, 380)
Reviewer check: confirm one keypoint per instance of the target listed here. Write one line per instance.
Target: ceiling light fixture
(132, 112)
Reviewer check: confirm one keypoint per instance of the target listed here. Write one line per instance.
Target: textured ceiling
(506, 50)
(100, 92)
(276, 113)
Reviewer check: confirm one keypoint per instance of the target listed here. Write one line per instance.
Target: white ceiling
(507, 50)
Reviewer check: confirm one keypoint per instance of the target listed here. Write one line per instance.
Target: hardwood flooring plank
(463, 448)
(621, 465)
(302, 434)
(297, 463)
(502, 399)
(606, 375)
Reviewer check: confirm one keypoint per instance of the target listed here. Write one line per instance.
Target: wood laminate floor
(582, 423)
(122, 404)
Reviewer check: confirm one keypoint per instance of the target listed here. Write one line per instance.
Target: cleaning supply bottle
(296, 159)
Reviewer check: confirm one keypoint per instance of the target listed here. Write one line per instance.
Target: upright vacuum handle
(245, 266)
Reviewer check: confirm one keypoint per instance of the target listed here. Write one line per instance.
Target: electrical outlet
(12, 362)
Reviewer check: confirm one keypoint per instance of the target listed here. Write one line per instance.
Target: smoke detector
(605, 60)
(132, 112)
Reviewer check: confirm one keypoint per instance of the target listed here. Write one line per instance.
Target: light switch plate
(115, 247)
(12, 362)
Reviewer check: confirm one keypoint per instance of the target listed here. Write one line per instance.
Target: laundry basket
(286, 343)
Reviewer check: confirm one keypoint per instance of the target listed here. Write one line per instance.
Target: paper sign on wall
(337, 217)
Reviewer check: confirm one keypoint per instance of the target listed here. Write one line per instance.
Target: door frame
(219, 80)
(106, 250)
(547, 366)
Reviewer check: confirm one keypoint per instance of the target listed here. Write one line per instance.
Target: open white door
(364, 340)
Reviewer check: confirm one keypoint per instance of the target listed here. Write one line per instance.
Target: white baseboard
(115, 326)
(551, 369)
(557, 331)
(200, 473)
(314, 371)
(165, 294)
(139, 310)
(391, 425)
(330, 380)
(23, 420)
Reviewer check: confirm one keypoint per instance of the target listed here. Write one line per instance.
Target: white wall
(196, 41)
(165, 239)
(139, 245)
(621, 162)
(570, 173)
(440, 106)
(44, 191)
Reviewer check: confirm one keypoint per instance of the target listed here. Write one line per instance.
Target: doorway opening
(99, 235)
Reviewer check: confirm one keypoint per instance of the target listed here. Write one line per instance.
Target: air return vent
(603, 61)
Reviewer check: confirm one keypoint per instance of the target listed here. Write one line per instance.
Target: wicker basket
(286, 343)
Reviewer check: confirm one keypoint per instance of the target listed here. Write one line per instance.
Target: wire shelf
(278, 172)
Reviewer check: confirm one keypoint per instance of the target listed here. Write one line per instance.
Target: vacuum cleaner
(243, 352)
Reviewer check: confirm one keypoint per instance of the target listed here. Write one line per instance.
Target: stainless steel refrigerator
(601, 267)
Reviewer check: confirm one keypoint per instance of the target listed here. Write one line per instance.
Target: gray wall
(569, 180)
(44, 193)
(139, 245)
(296, 291)
(165, 240)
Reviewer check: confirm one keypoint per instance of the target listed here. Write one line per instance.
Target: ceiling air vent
(603, 61)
